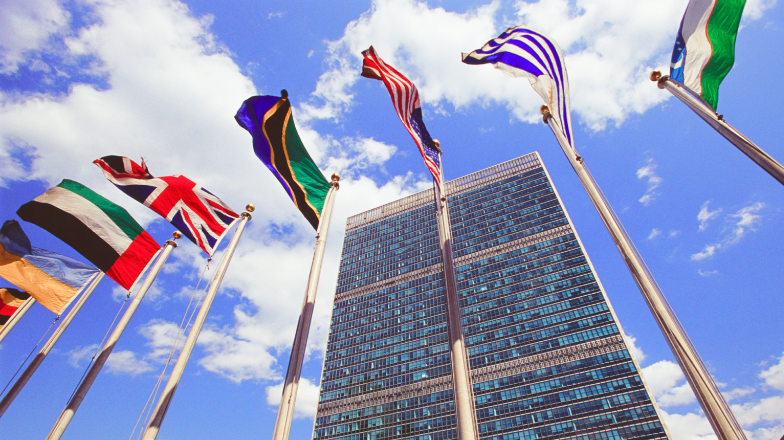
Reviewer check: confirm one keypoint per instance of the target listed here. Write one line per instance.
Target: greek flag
(523, 52)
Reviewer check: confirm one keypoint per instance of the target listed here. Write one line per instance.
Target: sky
(162, 80)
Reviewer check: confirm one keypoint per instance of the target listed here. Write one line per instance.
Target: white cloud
(307, 398)
(740, 223)
(654, 233)
(649, 172)
(706, 214)
(27, 26)
(668, 385)
(635, 349)
(80, 354)
(707, 273)
(738, 393)
(126, 362)
(774, 376)
(689, 426)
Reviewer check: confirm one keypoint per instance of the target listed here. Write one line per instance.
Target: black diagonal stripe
(3, 320)
(18, 294)
(115, 162)
(73, 232)
(274, 129)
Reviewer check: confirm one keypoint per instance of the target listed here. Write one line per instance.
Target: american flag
(405, 98)
(196, 212)
(523, 52)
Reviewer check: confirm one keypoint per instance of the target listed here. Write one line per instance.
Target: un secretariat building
(547, 358)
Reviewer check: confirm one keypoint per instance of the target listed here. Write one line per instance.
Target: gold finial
(177, 235)
(438, 146)
(655, 75)
(544, 109)
(250, 207)
(335, 177)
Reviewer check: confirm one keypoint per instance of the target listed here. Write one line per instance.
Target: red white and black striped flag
(405, 98)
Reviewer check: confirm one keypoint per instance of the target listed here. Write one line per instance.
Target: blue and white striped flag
(523, 52)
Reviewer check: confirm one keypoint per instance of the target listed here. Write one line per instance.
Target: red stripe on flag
(6, 310)
(132, 262)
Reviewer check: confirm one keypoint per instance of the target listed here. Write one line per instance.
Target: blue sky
(162, 80)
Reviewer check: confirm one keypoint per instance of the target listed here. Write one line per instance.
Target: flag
(523, 52)
(104, 233)
(52, 279)
(704, 49)
(196, 212)
(405, 99)
(10, 301)
(277, 143)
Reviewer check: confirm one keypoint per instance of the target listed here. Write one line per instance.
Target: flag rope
(30, 354)
(177, 339)
(98, 350)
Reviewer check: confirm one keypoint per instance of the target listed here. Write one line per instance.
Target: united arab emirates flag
(104, 233)
(277, 143)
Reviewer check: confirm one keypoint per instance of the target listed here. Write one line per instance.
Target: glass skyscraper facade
(547, 358)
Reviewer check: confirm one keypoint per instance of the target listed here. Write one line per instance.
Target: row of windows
(386, 337)
(394, 326)
(486, 299)
(548, 385)
(486, 322)
(387, 408)
(542, 373)
(507, 332)
(406, 348)
(516, 257)
(381, 376)
(432, 373)
(392, 419)
(552, 344)
(393, 292)
(505, 214)
(545, 224)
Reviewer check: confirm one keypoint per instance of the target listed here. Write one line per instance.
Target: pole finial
(655, 75)
(437, 144)
(177, 235)
(250, 207)
(335, 177)
(545, 111)
(284, 94)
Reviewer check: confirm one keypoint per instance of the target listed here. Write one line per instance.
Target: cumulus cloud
(655, 232)
(668, 384)
(307, 398)
(635, 349)
(119, 362)
(27, 26)
(774, 376)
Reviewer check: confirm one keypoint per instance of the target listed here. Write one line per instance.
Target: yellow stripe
(269, 113)
(288, 161)
(50, 292)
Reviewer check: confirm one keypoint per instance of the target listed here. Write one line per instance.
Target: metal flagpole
(39, 358)
(746, 146)
(17, 315)
(65, 417)
(461, 380)
(179, 367)
(711, 400)
(291, 385)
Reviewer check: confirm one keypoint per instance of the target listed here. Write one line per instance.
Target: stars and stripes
(523, 52)
(405, 99)
(196, 212)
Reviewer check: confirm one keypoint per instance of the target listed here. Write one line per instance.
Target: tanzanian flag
(704, 49)
(101, 231)
(277, 144)
(52, 279)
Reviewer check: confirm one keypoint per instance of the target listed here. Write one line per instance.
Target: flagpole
(179, 367)
(713, 404)
(39, 358)
(746, 146)
(65, 417)
(17, 315)
(297, 358)
(461, 379)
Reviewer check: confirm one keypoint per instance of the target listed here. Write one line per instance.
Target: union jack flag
(405, 99)
(196, 212)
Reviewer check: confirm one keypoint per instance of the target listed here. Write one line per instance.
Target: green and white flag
(104, 233)
(704, 49)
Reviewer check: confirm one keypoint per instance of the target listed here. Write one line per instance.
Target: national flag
(704, 49)
(523, 52)
(196, 212)
(276, 142)
(52, 279)
(405, 99)
(10, 301)
(101, 231)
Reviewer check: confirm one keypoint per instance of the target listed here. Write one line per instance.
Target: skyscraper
(546, 355)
